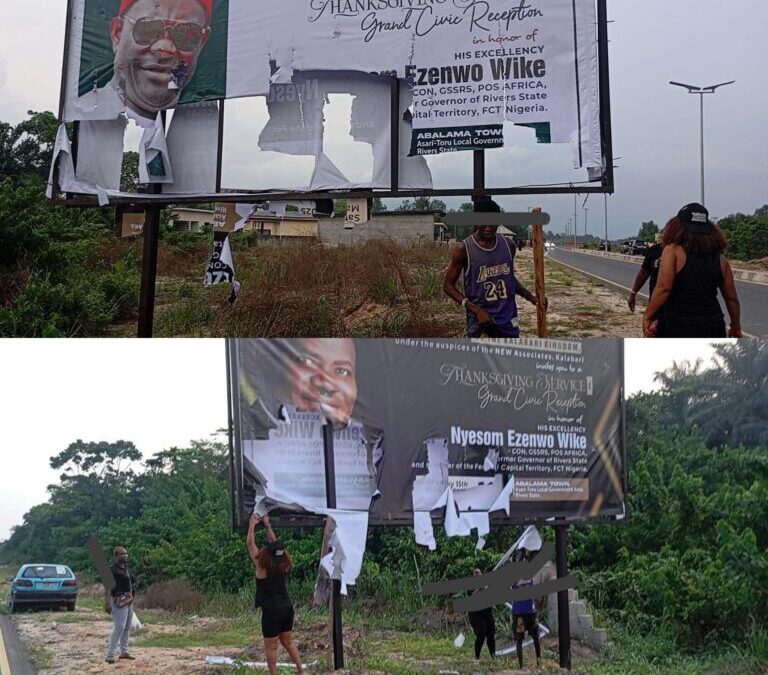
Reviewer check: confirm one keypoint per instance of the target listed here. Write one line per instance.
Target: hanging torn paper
(154, 158)
(221, 268)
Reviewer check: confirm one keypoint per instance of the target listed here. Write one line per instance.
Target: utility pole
(693, 89)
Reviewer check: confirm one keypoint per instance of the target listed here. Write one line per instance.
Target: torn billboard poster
(428, 430)
(472, 64)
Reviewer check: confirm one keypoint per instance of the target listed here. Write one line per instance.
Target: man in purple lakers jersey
(486, 259)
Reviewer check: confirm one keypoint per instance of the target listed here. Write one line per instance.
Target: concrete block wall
(580, 620)
(405, 229)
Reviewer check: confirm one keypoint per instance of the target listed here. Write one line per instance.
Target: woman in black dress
(484, 626)
(693, 269)
(272, 564)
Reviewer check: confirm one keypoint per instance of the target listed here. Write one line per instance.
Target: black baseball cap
(485, 204)
(695, 218)
(276, 549)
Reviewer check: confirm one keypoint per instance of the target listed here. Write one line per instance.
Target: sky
(655, 125)
(157, 394)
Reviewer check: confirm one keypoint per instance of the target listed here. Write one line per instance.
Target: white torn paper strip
(502, 502)
(347, 542)
(62, 157)
(100, 152)
(193, 141)
(491, 459)
(422, 528)
(154, 158)
(477, 520)
(244, 211)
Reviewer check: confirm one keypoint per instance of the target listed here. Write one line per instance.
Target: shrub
(175, 595)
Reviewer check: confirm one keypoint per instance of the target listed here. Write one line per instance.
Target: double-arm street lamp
(693, 89)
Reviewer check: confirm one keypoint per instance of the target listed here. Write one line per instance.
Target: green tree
(747, 235)
(129, 177)
(27, 148)
(648, 231)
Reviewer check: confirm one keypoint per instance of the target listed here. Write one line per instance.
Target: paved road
(753, 297)
(14, 659)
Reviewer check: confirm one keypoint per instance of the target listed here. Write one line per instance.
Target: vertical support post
(478, 171)
(575, 218)
(149, 262)
(605, 198)
(62, 93)
(605, 94)
(149, 270)
(701, 134)
(335, 603)
(233, 503)
(220, 147)
(394, 132)
(563, 614)
(538, 264)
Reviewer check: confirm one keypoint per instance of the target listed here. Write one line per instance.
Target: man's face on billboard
(323, 377)
(157, 44)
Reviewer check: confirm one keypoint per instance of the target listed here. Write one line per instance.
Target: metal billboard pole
(335, 602)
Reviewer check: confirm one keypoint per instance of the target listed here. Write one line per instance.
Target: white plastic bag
(135, 623)
(459, 641)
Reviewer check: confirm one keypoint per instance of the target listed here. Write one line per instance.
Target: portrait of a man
(139, 57)
(157, 44)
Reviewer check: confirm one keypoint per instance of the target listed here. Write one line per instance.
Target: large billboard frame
(156, 197)
(286, 519)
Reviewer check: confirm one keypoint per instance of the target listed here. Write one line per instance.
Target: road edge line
(5, 666)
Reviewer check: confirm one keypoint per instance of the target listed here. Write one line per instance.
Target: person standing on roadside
(692, 270)
(484, 627)
(119, 603)
(486, 260)
(649, 271)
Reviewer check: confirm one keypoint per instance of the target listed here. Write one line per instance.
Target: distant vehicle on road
(634, 247)
(549, 244)
(43, 585)
(605, 245)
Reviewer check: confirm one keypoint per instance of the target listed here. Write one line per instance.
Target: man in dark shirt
(649, 271)
(119, 603)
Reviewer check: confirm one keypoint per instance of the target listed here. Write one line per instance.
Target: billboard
(471, 65)
(454, 431)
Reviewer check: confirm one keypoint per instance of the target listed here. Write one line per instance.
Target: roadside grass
(42, 657)
(638, 652)
(299, 289)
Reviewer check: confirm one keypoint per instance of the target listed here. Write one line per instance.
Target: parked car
(549, 244)
(43, 584)
(634, 247)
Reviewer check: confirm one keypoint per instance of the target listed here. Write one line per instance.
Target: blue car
(43, 585)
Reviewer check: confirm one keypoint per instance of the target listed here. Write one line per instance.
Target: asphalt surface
(14, 659)
(753, 297)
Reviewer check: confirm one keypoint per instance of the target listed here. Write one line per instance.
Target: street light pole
(693, 89)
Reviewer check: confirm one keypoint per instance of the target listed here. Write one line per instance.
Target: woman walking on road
(692, 270)
(272, 564)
